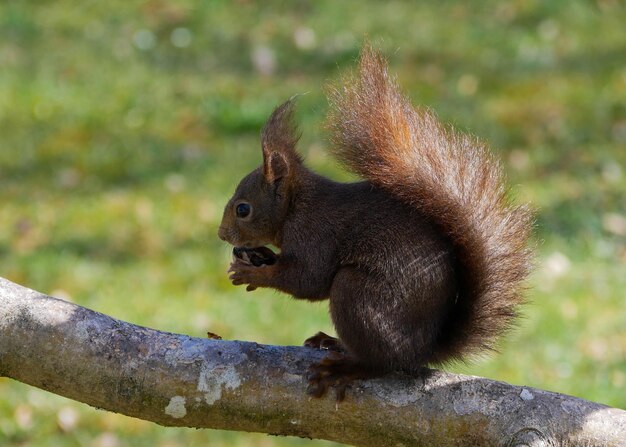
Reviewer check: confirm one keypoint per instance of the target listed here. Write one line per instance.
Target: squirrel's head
(255, 214)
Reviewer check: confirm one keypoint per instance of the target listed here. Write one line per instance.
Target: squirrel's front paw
(254, 277)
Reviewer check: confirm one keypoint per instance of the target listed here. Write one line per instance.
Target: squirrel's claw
(241, 273)
(337, 371)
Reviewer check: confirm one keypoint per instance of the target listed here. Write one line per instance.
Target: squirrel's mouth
(256, 256)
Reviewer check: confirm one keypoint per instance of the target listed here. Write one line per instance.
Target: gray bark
(176, 380)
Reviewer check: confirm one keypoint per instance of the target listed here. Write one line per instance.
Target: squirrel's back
(452, 179)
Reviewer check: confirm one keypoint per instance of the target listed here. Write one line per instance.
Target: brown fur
(422, 262)
(451, 178)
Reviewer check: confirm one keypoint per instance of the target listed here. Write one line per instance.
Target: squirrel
(423, 262)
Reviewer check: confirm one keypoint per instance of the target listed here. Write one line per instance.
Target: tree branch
(176, 380)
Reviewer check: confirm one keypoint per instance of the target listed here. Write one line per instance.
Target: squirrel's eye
(242, 210)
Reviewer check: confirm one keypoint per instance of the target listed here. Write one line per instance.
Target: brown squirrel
(423, 262)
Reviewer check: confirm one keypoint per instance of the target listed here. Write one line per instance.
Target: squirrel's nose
(221, 233)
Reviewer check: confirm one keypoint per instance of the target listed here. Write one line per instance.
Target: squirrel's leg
(341, 367)
(382, 328)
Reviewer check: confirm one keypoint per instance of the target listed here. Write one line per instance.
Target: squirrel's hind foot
(324, 341)
(337, 371)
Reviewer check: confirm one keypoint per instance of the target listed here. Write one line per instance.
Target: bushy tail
(450, 177)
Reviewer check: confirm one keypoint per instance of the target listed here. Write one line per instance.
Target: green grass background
(124, 127)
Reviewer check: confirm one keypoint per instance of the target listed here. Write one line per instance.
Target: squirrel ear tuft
(280, 132)
(275, 165)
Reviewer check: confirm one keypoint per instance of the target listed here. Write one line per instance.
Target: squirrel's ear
(280, 133)
(275, 165)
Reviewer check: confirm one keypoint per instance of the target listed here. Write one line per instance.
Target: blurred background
(124, 127)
